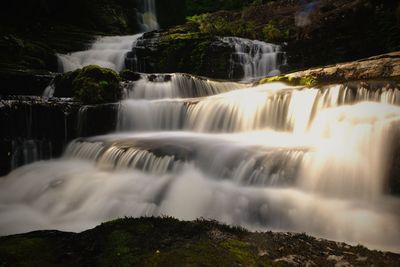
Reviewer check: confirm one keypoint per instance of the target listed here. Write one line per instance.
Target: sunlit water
(269, 157)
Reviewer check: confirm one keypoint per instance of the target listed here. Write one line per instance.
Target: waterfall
(276, 106)
(267, 157)
(218, 156)
(176, 85)
(110, 51)
(256, 59)
(148, 16)
(107, 52)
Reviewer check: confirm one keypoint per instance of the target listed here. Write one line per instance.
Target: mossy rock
(129, 75)
(290, 80)
(89, 85)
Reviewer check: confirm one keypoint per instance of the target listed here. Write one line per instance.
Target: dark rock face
(343, 30)
(36, 128)
(97, 120)
(169, 242)
(24, 82)
(193, 53)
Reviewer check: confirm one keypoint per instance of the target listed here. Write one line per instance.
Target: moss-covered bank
(169, 242)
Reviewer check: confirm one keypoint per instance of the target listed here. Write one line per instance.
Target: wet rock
(129, 75)
(89, 85)
(39, 128)
(386, 66)
(23, 82)
(193, 53)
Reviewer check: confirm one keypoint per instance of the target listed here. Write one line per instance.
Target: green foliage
(214, 24)
(272, 34)
(240, 251)
(203, 6)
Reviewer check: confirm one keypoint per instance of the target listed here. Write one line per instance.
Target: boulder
(89, 85)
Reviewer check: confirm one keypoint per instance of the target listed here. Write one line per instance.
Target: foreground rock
(169, 242)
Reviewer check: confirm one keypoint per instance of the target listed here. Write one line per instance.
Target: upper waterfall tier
(176, 85)
(148, 16)
(107, 52)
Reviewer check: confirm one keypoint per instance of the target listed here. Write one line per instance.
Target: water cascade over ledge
(176, 85)
(270, 157)
(107, 52)
(255, 59)
(110, 51)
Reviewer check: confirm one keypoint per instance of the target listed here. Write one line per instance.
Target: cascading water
(269, 157)
(107, 52)
(110, 51)
(313, 160)
(254, 58)
(176, 85)
(148, 16)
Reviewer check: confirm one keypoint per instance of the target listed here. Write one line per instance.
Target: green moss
(90, 85)
(199, 7)
(118, 250)
(240, 251)
(28, 252)
(206, 253)
(294, 81)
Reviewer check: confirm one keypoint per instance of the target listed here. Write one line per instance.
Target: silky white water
(256, 58)
(270, 157)
(148, 16)
(107, 52)
(110, 51)
(176, 85)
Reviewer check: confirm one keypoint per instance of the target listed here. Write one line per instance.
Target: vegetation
(291, 80)
(205, 6)
(90, 85)
(169, 242)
